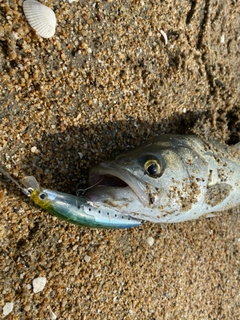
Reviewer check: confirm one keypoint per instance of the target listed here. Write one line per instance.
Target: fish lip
(97, 174)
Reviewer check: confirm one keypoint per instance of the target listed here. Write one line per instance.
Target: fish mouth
(116, 180)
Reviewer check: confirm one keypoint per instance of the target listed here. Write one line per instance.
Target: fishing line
(7, 175)
(84, 190)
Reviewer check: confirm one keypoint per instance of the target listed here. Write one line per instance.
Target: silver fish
(170, 178)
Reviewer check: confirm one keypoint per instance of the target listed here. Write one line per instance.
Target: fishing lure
(74, 209)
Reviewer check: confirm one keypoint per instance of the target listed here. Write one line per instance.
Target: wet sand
(106, 82)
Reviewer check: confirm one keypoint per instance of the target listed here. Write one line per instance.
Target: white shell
(150, 241)
(41, 18)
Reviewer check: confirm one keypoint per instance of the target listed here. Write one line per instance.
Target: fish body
(170, 178)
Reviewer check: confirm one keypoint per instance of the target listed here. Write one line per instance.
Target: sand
(103, 84)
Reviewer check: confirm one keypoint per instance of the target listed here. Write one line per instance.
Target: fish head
(154, 175)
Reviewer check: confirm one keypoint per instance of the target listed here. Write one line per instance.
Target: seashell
(41, 18)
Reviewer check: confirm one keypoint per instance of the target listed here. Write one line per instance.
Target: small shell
(41, 18)
(150, 241)
(164, 36)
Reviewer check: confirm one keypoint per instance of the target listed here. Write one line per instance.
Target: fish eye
(42, 196)
(152, 168)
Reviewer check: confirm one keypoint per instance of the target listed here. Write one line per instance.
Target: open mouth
(107, 180)
(103, 177)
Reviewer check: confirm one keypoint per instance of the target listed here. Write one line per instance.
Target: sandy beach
(114, 74)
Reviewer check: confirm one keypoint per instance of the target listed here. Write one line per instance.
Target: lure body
(75, 209)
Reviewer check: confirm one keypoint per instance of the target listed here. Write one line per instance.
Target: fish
(168, 179)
